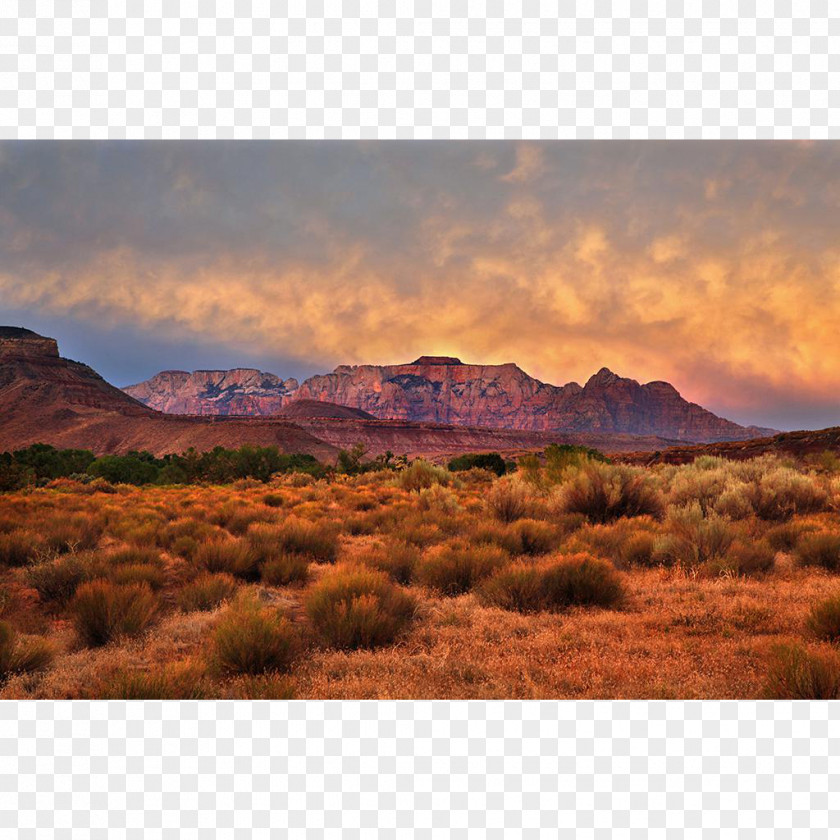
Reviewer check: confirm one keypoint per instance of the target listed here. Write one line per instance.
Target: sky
(713, 265)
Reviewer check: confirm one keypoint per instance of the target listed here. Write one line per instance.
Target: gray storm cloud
(714, 265)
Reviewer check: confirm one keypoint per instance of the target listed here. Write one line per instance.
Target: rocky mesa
(45, 398)
(442, 389)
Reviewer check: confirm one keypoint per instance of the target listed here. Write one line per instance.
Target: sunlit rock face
(442, 389)
(214, 392)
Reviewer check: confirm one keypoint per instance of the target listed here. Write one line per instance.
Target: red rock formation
(308, 409)
(47, 399)
(500, 396)
(241, 391)
(441, 389)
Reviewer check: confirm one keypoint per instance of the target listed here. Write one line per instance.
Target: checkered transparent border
(390, 769)
(587, 769)
(629, 68)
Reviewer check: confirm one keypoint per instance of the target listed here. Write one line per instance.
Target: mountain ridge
(443, 389)
(45, 398)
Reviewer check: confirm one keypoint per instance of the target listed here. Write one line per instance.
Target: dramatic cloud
(713, 265)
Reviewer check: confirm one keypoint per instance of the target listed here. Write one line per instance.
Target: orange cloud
(722, 277)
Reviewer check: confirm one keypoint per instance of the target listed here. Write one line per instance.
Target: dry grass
(18, 547)
(103, 611)
(231, 556)
(318, 541)
(455, 569)
(164, 683)
(206, 592)
(355, 607)
(396, 558)
(604, 493)
(20, 656)
(820, 549)
(508, 500)
(798, 674)
(725, 587)
(824, 619)
(252, 639)
(285, 569)
(421, 475)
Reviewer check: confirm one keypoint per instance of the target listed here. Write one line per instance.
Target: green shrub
(824, 619)
(453, 570)
(124, 469)
(638, 550)
(103, 611)
(439, 498)
(694, 539)
(491, 461)
(421, 474)
(734, 504)
(22, 655)
(820, 549)
(526, 536)
(796, 674)
(252, 639)
(745, 558)
(559, 460)
(285, 569)
(692, 483)
(206, 592)
(355, 607)
(627, 542)
(605, 492)
(783, 492)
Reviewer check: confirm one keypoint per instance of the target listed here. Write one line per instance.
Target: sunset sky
(713, 265)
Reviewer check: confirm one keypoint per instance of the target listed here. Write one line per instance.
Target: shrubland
(235, 574)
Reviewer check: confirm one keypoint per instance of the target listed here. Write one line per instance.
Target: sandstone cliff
(441, 389)
(45, 398)
(239, 391)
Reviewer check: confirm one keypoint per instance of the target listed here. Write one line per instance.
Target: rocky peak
(442, 389)
(603, 379)
(665, 389)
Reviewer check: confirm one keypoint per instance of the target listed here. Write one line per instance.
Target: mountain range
(442, 389)
(45, 398)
